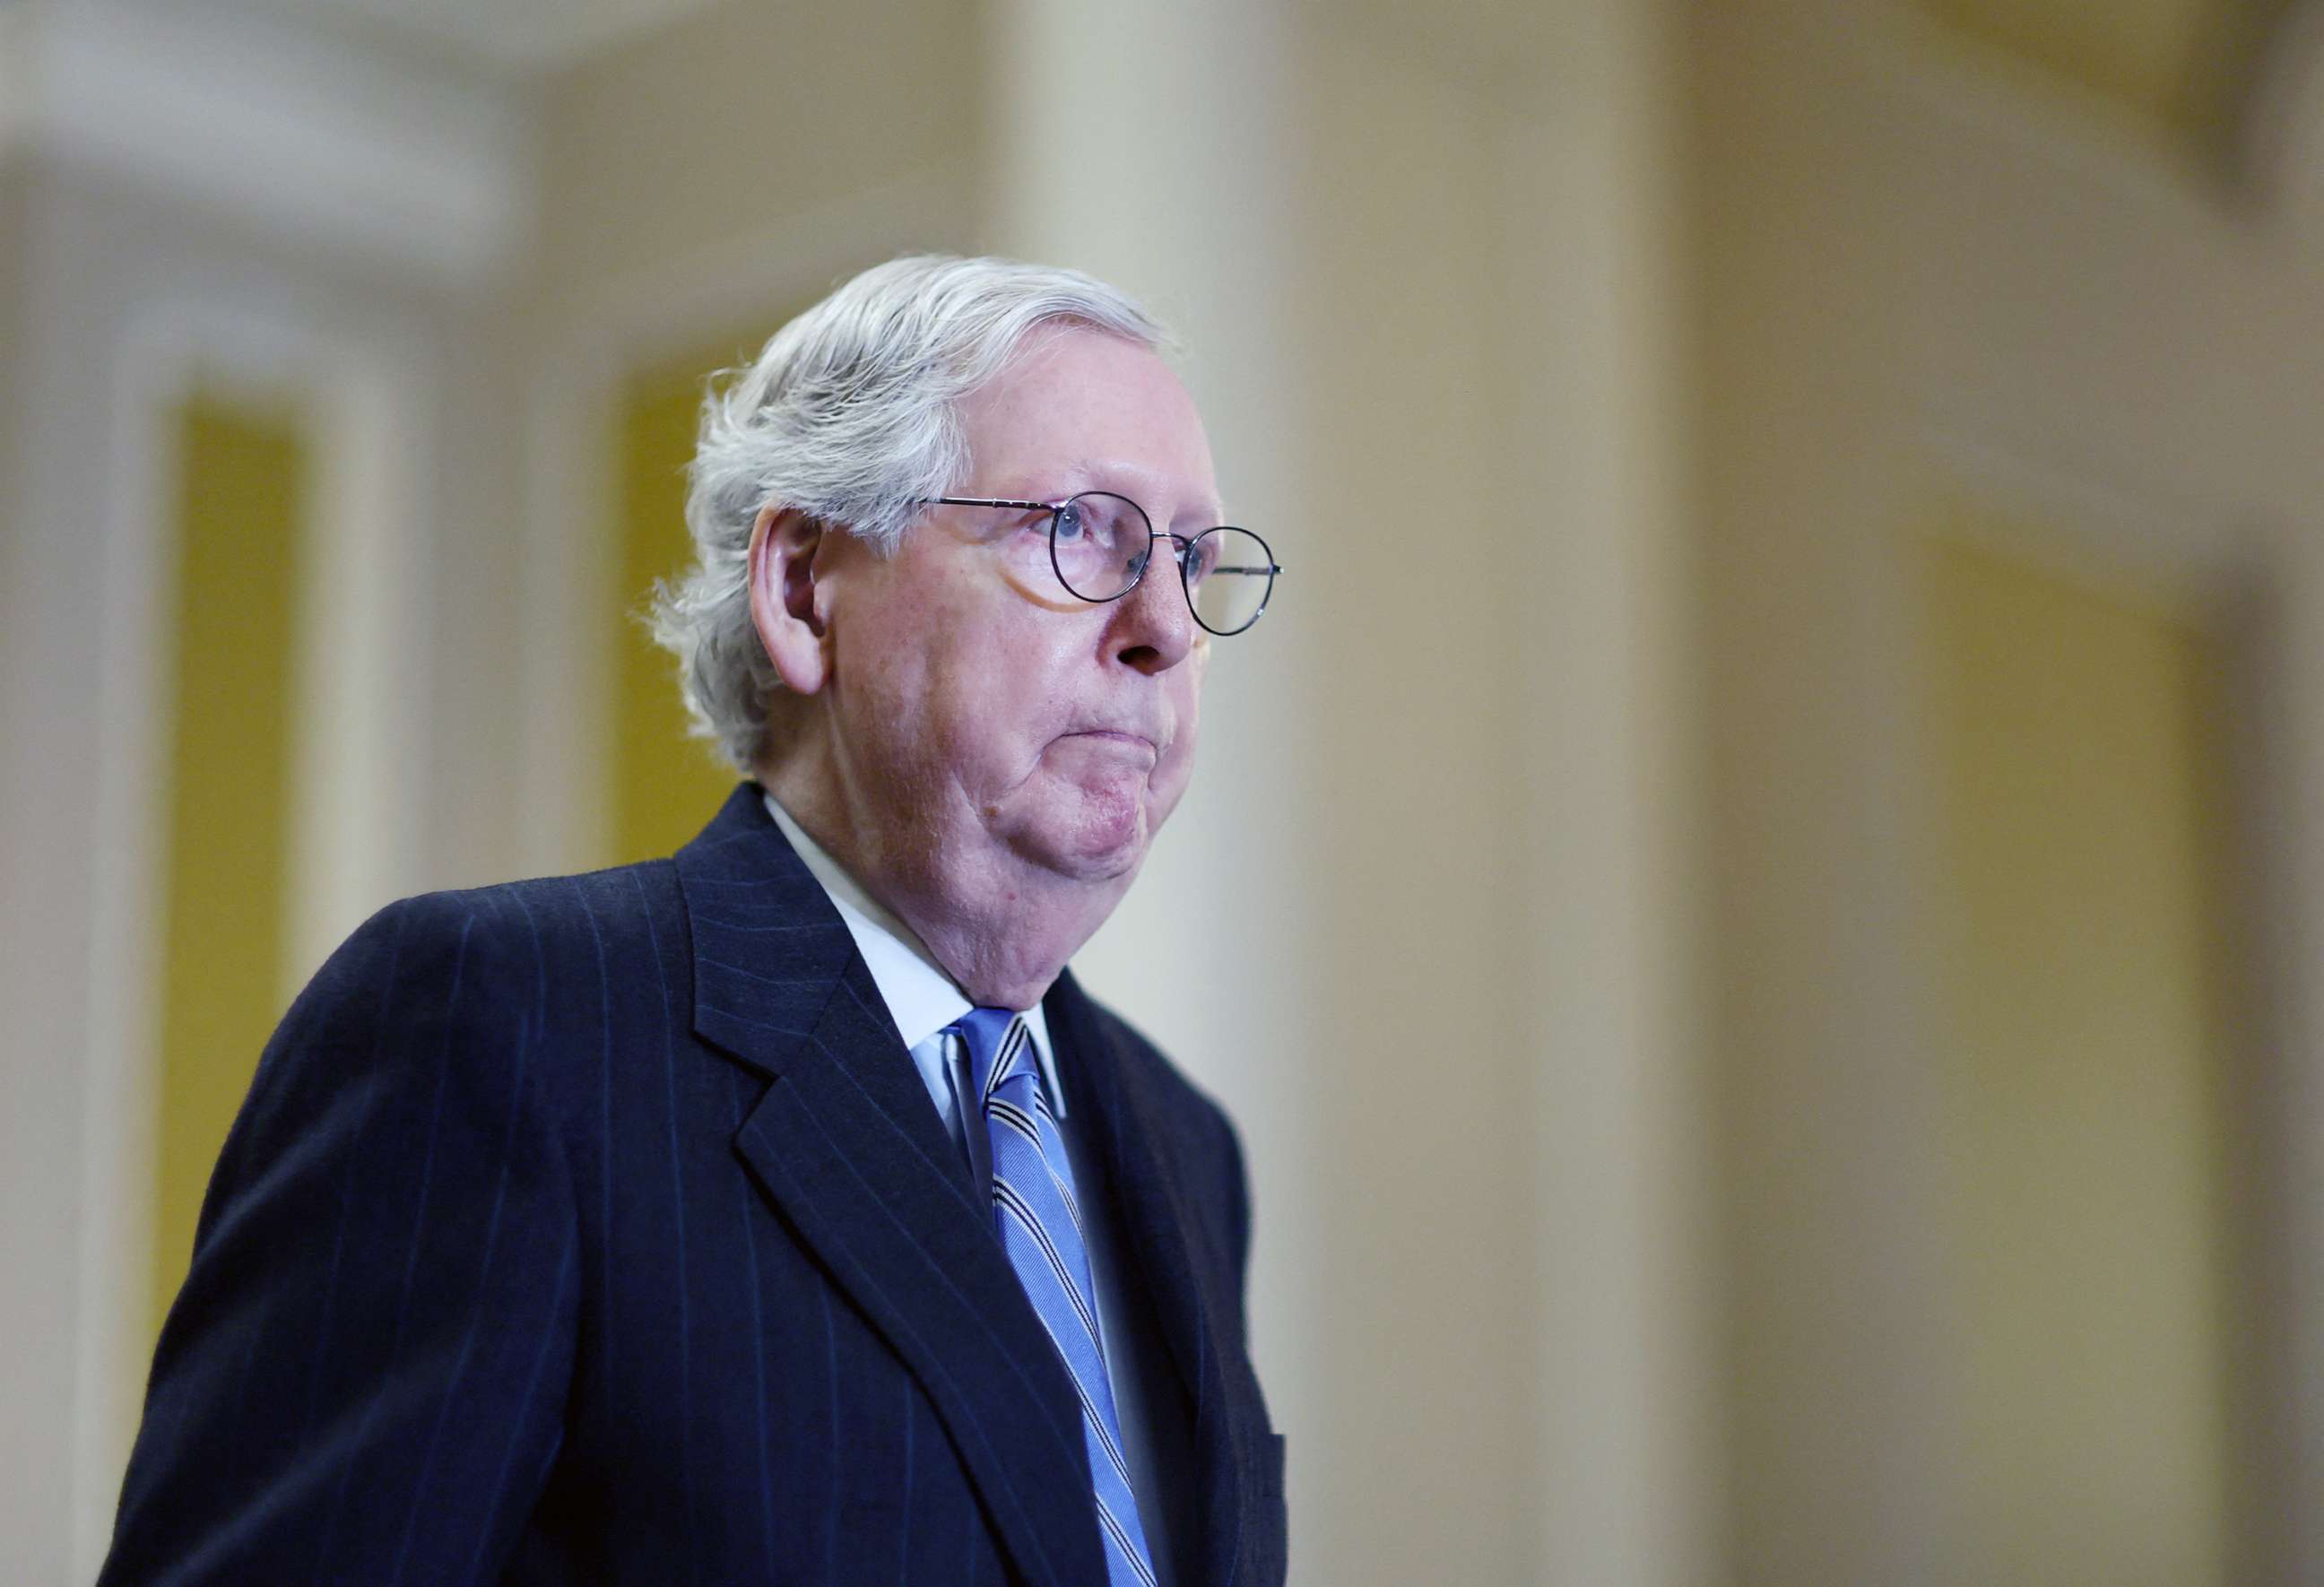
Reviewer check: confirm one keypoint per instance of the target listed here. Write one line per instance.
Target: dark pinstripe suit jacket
(599, 1229)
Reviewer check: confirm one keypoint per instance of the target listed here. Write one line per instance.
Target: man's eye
(1070, 525)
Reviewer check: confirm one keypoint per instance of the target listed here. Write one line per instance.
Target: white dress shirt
(923, 1001)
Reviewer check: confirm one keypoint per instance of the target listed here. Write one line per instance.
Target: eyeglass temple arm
(1160, 534)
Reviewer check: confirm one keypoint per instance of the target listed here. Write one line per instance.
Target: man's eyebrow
(1081, 475)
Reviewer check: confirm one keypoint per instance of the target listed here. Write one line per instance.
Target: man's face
(976, 704)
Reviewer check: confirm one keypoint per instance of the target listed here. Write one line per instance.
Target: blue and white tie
(1041, 1228)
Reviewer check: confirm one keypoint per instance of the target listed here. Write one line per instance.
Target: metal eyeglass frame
(1180, 546)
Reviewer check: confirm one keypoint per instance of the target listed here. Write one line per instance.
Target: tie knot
(999, 1047)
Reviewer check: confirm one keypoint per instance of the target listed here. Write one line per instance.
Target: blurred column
(1601, 513)
(1150, 143)
(1430, 886)
(2285, 639)
(1835, 1410)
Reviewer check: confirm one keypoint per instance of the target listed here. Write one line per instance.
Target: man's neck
(1001, 928)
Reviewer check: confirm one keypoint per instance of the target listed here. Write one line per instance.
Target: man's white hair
(848, 416)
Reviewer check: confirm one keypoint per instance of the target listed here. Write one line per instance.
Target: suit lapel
(845, 1143)
(1180, 1263)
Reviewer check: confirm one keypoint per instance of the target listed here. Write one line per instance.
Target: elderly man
(783, 1212)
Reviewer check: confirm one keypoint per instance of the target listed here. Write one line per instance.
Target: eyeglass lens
(1100, 543)
(1228, 574)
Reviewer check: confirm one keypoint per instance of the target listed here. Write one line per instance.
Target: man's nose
(1153, 628)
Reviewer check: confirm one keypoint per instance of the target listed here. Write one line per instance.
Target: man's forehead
(1079, 410)
(1159, 494)
(1148, 487)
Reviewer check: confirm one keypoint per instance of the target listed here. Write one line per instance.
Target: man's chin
(1098, 837)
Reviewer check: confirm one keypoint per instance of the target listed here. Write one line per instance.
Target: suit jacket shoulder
(387, 1260)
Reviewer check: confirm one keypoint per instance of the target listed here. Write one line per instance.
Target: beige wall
(1914, 264)
(1562, 836)
(746, 119)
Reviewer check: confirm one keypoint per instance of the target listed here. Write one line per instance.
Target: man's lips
(1112, 744)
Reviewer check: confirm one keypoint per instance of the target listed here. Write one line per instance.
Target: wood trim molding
(307, 133)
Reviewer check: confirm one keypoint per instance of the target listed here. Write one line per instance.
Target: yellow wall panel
(2083, 1073)
(665, 784)
(243, 476)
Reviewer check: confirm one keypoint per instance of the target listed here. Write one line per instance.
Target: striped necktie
(1041, 1228)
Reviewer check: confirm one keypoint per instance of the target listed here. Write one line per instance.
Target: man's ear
(783, 603)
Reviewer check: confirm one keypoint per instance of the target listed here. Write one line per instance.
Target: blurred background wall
(1755, 899)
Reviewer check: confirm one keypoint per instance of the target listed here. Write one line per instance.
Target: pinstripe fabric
(1040, 1221)
(598, 1229)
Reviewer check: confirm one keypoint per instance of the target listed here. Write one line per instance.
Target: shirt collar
(921, 998)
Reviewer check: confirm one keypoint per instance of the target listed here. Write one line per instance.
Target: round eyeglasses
(1100, 545)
